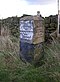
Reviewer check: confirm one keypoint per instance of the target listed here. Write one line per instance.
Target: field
(12, 69)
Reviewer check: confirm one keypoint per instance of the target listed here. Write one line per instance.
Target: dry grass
(6, 44)
(10, 49)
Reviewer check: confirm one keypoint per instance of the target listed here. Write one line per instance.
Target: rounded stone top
(38, 13)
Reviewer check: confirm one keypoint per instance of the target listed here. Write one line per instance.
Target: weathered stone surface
(31, 53)
(31, 48)
(37, 29)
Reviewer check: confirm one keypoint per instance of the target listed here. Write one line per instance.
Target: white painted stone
(26, 29)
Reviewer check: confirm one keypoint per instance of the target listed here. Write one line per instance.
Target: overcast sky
(10, 8)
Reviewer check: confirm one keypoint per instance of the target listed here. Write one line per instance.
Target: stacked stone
(50, 26)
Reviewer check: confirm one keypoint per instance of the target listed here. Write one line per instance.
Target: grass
(12, 69)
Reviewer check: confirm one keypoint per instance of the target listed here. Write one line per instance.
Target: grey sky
(10, 8)
(40, 2)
